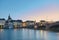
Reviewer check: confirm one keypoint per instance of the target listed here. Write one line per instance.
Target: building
(42, 23)
(2, 22)
(17, 23)
(8, 23)
(13, 23)
(24, 24)
(30, 24)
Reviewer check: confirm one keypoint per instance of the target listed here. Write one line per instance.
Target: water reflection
(1, 30)
(27, 34)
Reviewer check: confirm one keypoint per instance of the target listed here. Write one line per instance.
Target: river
(27, 34)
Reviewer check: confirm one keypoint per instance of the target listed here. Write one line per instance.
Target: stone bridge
(51, 25)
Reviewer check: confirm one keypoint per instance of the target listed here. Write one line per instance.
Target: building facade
(2, 23)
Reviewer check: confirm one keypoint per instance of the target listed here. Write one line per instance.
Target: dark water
(27, 34)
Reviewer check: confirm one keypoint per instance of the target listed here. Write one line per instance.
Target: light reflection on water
(27, 34)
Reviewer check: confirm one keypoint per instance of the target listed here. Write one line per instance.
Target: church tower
(9, 18)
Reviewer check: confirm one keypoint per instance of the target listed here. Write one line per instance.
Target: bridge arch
(54, 26)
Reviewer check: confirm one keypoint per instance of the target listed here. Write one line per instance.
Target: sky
(30, 9)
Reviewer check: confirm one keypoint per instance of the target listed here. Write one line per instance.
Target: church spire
(9, 18)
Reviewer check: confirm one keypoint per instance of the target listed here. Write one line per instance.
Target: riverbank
(34, 29)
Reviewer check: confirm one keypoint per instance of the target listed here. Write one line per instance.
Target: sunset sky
(30, 9)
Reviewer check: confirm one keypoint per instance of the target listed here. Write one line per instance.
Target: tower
(9, 18)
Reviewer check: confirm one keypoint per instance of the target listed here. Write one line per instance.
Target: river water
(27, 34)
